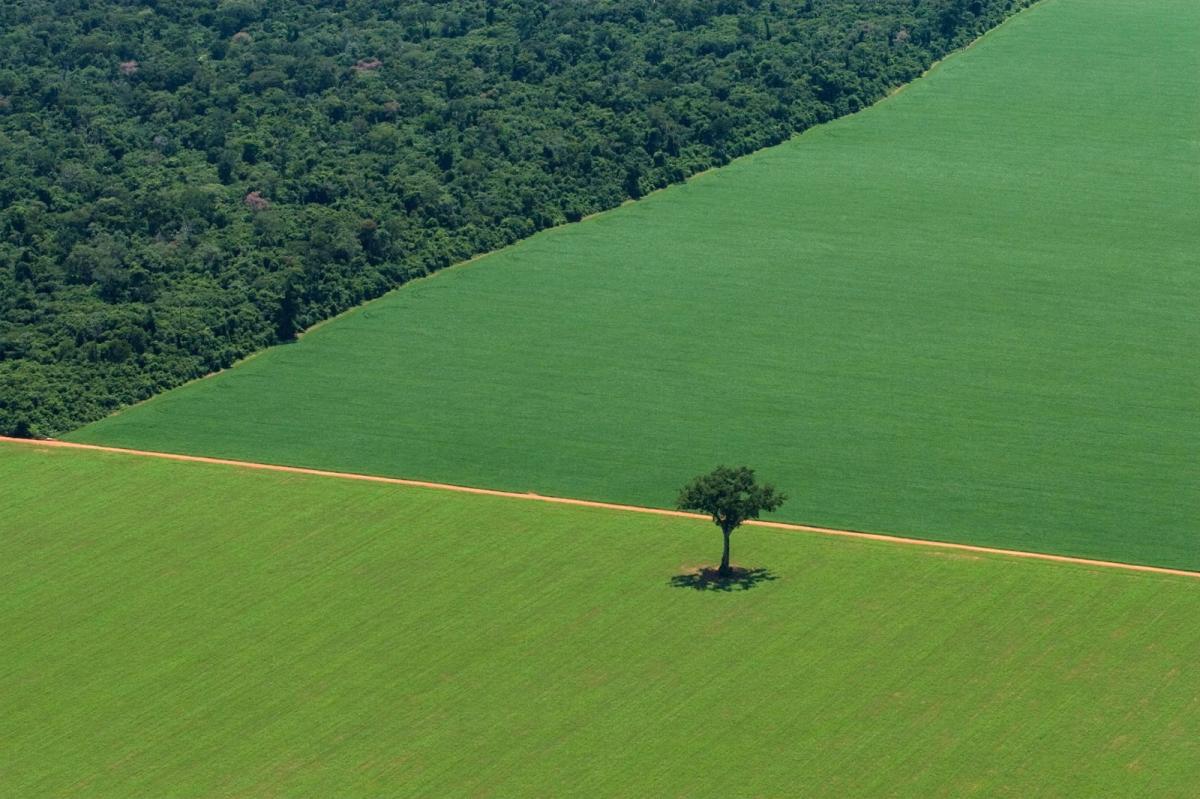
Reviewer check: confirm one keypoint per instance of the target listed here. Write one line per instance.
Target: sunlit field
(193, 630)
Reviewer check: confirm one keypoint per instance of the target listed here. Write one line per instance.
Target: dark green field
(968, 313)
(180, 630)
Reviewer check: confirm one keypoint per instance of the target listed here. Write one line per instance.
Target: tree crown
(730, 496)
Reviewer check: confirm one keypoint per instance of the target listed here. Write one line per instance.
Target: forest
(183, 182)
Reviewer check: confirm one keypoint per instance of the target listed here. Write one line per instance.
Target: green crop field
(176, 630)
(967, 313)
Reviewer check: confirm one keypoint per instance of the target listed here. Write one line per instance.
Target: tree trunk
(725, 571)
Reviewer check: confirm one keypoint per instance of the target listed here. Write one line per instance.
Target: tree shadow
(705, 578)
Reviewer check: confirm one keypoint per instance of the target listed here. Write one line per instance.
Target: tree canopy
(730, 496)
(184, 182)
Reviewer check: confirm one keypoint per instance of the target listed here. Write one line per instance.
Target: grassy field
(967, 313)
(177, 630)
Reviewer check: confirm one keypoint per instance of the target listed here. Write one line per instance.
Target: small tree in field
(730, 496)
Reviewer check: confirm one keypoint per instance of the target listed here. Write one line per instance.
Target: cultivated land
(182, 629)
(967, 313)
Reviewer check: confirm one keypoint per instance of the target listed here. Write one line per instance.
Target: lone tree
(730, 496)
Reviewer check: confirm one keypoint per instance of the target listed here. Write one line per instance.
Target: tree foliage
(184, 182)
(730, 496)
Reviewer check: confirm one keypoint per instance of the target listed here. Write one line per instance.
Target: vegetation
(189, 630)
(730, 496)
(967, 313)
(184, 182)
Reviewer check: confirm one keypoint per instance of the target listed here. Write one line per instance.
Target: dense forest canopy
(183, 182)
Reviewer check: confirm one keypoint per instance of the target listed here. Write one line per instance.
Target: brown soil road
(586, 503)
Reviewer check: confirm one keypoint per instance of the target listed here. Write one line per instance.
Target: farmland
(965, 313)
(193, 630)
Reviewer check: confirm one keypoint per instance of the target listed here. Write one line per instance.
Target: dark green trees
(730, 497)
(289, 308)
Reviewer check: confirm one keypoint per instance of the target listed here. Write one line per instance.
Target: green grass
(176, 630)
(967, 313)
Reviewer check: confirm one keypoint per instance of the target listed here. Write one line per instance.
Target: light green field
(177, 630)
(967, 313)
